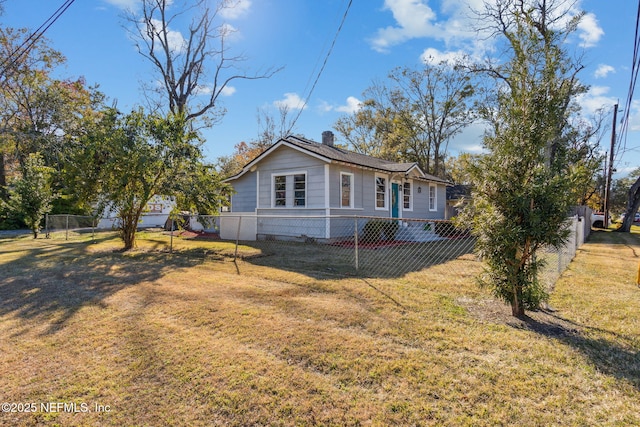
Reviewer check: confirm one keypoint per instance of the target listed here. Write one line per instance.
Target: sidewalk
(14, 233)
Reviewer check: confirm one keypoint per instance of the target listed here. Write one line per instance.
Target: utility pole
(610, 170)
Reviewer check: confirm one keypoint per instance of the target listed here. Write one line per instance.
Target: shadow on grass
(610, 352)
(52, 280)
(323, 260)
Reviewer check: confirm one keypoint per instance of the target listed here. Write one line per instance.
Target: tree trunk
(3, 178)
(633, 202)
(517, 306)
(128, 232)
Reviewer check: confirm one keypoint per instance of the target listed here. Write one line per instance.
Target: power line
(635, 68)
(28, 43)
(333, 43)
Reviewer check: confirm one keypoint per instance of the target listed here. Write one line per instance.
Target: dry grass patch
(192, 338)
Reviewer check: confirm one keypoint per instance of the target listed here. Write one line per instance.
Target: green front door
(395, 188)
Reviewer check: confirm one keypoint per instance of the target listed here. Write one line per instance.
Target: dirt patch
(546, 321)
(197, 235)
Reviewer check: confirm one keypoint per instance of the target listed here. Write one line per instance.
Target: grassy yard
(149, 338)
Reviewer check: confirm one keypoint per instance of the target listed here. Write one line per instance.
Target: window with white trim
(406, 196)
(299, 190)
(280, 187)
(346, 190)
(381, 192)
(290, 190)
(433, 197)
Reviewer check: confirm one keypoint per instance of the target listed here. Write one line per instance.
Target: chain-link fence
(65, 226)
(557, 260)
(380, 247)
(348, 245)
(342, 245)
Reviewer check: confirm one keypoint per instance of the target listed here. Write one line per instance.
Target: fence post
(235, 255)
(560, 260)
(355, 240)
(171, 235)
(66, 233)
(46, 226)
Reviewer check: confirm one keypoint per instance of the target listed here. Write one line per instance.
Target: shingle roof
(334, 153)
(459, 191)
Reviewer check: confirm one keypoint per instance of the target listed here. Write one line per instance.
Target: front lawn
(92, 336)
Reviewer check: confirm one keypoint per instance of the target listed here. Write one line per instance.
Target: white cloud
(634, 116)
(603, 70)
(589, 30)
(414, 19)
(292, 101)
(208, 90)
(234, 9)
(596, 99)
(228, 91)
(434, 56)
(454, 24)
(469, 140)
(177, 42)
(352, 106)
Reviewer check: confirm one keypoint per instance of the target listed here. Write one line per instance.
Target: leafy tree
(38, 114)
(458, 167)
(370, 130)
(126, 160)
(586, 159)
(200, 189)
(523, 186)
(30, 196)
(631, 198)
(620, 193)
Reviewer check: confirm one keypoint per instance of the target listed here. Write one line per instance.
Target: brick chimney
(327, 138)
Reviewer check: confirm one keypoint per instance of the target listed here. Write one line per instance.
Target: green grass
(192, 338)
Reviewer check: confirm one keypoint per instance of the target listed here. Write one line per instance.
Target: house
(458, 196)
(299, 187)
(155, 215)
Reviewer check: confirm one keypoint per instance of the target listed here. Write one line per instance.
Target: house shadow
(53, 281)
(385, 261)
(611, 353)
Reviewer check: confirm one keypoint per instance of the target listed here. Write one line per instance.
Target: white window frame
(274, 198)
(351, 195)
(386, 192)
(434, 198)
(410, 208)
(290, 190)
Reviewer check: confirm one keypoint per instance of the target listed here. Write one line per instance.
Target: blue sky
(377, 36)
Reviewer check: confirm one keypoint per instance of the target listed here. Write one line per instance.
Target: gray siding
(287, 161)
(284, 161)
(244, 200)
(421, 202)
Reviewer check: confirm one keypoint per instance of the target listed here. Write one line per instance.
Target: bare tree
(271, 129)
(195, 68)
(439, 97)
(413, 116)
